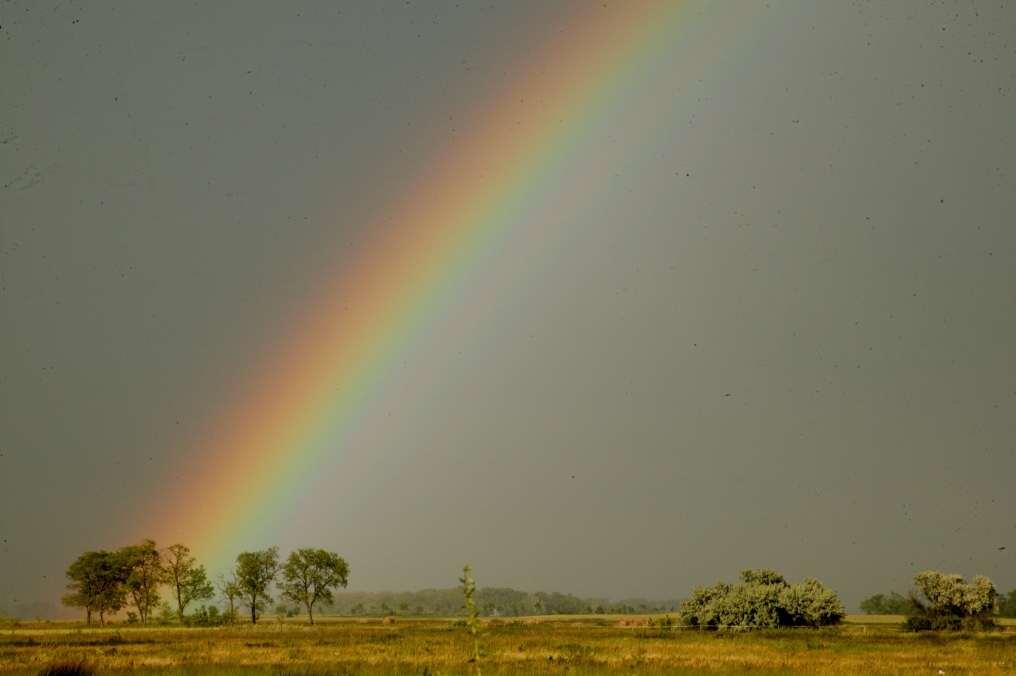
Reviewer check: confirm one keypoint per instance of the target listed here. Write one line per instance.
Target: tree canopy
(255, 571)
(97, 583)
(143, 564)
(310, 575)
(188, 580)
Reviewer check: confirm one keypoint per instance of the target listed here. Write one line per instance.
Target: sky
(753, 305)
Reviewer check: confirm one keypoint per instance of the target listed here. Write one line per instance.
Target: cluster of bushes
(763, 599)
(945, 601)
(949, 602)
(105, 582)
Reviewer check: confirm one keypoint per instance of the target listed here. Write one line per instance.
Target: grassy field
(571, 644)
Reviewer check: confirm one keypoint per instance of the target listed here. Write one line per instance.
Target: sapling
(472, 623)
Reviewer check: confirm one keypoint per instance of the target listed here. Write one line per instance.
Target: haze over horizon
(760, 311)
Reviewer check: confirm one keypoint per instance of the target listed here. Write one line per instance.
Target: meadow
(558, 644)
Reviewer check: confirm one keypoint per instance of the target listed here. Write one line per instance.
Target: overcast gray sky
(763, 313)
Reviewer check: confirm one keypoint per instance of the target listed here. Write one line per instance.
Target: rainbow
(294, 410)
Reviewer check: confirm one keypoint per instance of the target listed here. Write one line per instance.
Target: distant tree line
(104, 582)
(490, 602)
(1007, 604)
(886, 604)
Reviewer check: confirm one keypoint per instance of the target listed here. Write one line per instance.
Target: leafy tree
(763, 599)
(78, 599)
(944, 601)
(188, 580)
(255, 571)
(97, 583)
(230, 592)
(309, 575)
(145, 573)
(472, 623)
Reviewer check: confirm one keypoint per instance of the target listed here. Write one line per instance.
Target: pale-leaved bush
(762, 600)
(947, 601)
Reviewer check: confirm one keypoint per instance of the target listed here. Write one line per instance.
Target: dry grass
(573, 644)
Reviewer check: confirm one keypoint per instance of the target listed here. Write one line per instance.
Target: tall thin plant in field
(472, 621)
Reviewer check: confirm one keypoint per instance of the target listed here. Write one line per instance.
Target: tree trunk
(310, 612)
(88, 616)
(254, 610)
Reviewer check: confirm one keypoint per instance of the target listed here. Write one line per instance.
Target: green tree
(97, 584)
(255, 571)
(145, 573)
(310, 575)
(188, 580)
(230, 592)
(472, 622)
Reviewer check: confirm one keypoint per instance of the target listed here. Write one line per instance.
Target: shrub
(207, 616)
(762, 600)
(166, 614)
(811, 604)
(948, 602)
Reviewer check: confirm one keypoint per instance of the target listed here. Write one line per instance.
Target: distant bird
(1001, 548)
(573, 476)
